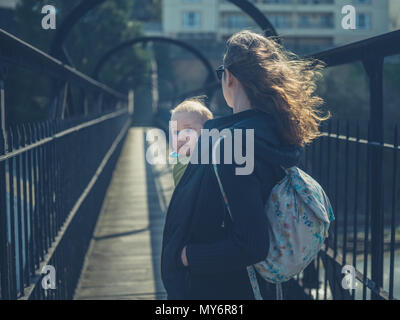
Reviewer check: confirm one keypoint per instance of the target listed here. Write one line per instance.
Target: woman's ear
(229, 78)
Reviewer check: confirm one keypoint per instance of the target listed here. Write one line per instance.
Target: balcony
(316, 21)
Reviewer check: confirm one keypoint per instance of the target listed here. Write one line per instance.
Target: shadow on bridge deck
(123, 261)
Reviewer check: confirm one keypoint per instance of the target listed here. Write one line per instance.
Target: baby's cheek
(174, 144)
(192, 143)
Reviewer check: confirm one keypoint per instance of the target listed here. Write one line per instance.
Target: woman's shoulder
(256, 119)
(265, 127)
(245, 119)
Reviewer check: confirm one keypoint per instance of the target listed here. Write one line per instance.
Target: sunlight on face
(226, 91)
(188, 129)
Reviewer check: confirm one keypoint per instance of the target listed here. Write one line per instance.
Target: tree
(98, 31)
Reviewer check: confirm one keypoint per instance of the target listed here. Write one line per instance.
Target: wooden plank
(123, 261)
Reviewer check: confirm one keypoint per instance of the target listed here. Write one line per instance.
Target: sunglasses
(219, 71)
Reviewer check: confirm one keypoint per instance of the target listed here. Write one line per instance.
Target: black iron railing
(342, 162)
(361, 177)
(53, 177)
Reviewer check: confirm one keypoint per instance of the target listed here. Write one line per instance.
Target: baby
(187, 120)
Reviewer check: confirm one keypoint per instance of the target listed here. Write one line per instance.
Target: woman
(205, 252)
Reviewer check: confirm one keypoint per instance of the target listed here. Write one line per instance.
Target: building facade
(394, 14)
(7, 15)
(8, 4)
(305, 25)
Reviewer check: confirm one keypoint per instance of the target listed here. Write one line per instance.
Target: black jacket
(218, 255)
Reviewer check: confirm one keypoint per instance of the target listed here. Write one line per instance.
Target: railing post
(131, 102)
(60, 96)
(4, 266)
(100, 102)
(374, 67)
(3, 75)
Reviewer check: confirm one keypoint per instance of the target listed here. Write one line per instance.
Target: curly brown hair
(277, 80)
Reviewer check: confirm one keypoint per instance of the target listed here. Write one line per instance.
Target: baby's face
(188, 129)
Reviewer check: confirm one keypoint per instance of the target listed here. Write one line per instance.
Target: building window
(316, 1)
(234, 21)
(305, 45)
(304, 21)
(362, 1)
(191, 20)
(316, 20)
(363, 21)
(326, 21)
(280, 21)
(190, 1)
(276, 1)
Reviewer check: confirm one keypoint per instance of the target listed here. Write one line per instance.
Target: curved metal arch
(179, 43)
(86, 5)
(69, 22)
(258, 17)
(169, 82)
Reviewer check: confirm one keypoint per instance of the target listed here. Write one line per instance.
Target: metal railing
(53, 177)
(361, 178)
(342, 162)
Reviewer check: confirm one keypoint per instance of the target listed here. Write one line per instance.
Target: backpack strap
(254, 283)
(284, 169)
(256, 289)
(221, 188)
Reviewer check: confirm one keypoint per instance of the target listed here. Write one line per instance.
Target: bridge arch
(86, 5)
(125, 45)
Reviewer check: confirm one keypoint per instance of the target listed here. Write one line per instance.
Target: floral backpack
(299, 215)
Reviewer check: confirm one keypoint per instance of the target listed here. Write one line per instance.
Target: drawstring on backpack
(279, 294)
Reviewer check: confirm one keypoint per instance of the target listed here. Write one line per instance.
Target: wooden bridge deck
(123, 261)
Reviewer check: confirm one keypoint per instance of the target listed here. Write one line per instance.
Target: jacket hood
(268, 143)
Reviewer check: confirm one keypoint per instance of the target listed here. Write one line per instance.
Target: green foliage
(167, 77)
(104, 27)
(391, 91)
(147, 10)
(392, 73)
(345, 91)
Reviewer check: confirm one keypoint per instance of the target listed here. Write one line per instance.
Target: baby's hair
(194, 105)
